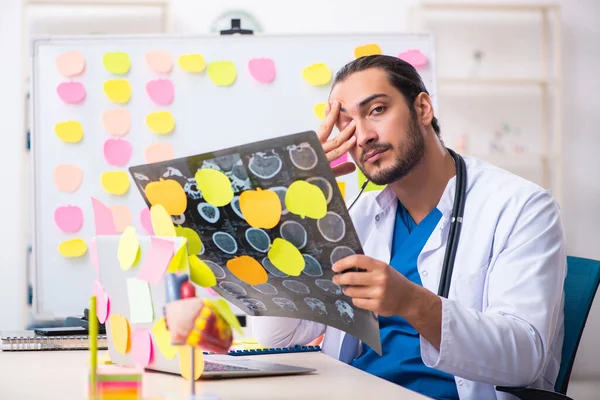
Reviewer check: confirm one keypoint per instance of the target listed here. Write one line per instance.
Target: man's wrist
(419, 304)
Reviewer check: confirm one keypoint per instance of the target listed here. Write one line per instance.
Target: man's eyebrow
(367, 100)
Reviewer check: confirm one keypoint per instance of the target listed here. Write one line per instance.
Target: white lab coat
(502, 323)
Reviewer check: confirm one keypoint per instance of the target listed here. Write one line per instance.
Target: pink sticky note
(157, 260)
(340, 160)
(70, 63)
(146, 221)
(160, 151)
(71, 92)
(102, 302)
(414, 57)
(117, 152)
(161, 91)
(121, 217)
(69, 219)
(141, 347)
(262, 69)
(159, 61)
(93, 250)
(116, 122)
(103, 219)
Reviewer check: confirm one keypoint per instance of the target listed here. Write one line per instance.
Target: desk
(61, 375)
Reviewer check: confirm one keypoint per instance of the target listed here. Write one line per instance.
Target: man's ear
(424, 109)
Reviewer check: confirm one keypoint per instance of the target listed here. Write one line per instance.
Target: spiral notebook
(29, 341)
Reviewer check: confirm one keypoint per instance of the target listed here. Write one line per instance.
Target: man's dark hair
(401, 75)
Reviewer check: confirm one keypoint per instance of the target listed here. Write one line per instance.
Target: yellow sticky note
(317, 74)
(367, 50)
(72, 248)
(116, 62)
(342, 186)
(306, 200)
(222, 73)
(117, 90)
(178, 262)
(370, 186)
(319, 110)
(286, 257)
(223, 309)
(169, 194)
(69, 131)
(120, 332)
(215, 186)
(162, 224)
(193, 63)
(194, 244)
(115, 182)
(160, 122)
(128, 252)
(200, 273)
(185, 362)
(162, 338)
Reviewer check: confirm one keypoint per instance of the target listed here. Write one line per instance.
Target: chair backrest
(581, 284)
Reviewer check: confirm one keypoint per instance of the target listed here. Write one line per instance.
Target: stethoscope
(458, 209)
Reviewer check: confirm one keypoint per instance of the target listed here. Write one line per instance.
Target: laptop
(114, 281)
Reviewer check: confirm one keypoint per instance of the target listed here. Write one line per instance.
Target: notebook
(29, 341)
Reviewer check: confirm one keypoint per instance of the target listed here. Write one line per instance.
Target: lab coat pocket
(468, 288)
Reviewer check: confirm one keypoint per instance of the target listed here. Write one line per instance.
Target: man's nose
(365, 134)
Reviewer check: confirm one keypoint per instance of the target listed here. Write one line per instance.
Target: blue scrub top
(401, 361)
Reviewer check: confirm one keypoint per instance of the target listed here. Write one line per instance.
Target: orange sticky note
(121, 217)
(169, 194)
(120, 332)
(67, 177)
(185, 361)
(248, 270)
(159, 61)
(116, 122)
(157, 152)
(261, 208)
(70, 63)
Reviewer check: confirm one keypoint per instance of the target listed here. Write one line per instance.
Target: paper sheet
(169, 194)
(117, 152)
(222, 73)
(200, 273)
(262, 69)
(162, 224)
(116, 62)
(121, 216)
(120, 332)
(141, 347)
(67, 177)
(162, 338)
(160, 151)
(118, 90)
(161, 91)
(157, 260)
(215, 187)
(71, 92)
(185, 362)
(70, 63)
(140, 302)
(160, 61)
(68, 219)
(116, 122)
(193, 63)
(129, 248)
(72, 247)
(146, 221)
(317, 74)
(69, 131)
(115, 182)
(160, 122)
(306, 200)
(103, 218)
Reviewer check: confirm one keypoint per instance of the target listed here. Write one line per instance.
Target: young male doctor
(502, 323)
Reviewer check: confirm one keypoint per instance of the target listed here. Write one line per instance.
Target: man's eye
(378, 110)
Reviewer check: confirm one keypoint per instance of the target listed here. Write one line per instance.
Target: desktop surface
(62, 375)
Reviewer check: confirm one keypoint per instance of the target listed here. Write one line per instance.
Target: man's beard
(409, 155)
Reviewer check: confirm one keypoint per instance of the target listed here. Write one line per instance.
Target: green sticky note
(228, 315)
(140, 302)
(371, 186)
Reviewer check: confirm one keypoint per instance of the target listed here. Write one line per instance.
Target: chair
(581, 284)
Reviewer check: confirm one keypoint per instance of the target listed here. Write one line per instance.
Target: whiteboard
(207, 118)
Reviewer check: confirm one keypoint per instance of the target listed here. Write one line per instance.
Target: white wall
(12, 246)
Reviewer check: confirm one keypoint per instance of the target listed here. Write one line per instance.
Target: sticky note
(247, 270)
(286, 257)
(224, 311)
(367, 50)
(102, 302)
(215, 186)
(141, 347)
(157, 152)
(117, 152)
(317, 74)
(193, 63)
(262, 69)
(157, 260)
(200, 273)
(370, 186)
(162, 224)
(69, 131)
(161, 122)
(162, 338)
(161, 91)
(116, 122)
(145, 221)
(306, 200)
(194, 244)
(341, 160)
(117, 90)
(414, 57)
(222, 73)
(179, 261)
(342, 187)
(121, 217)
(169, 194)
(68, 219)
(140, 302)
(115, 182)
(128, 252)
(120, 332)
(260, 208)
(319, 110)
(116, 62)
(72, 248)
(159, 61)
(103, 218)
(67, 177)
(71, 92)
(70, 63)
(185, 361)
